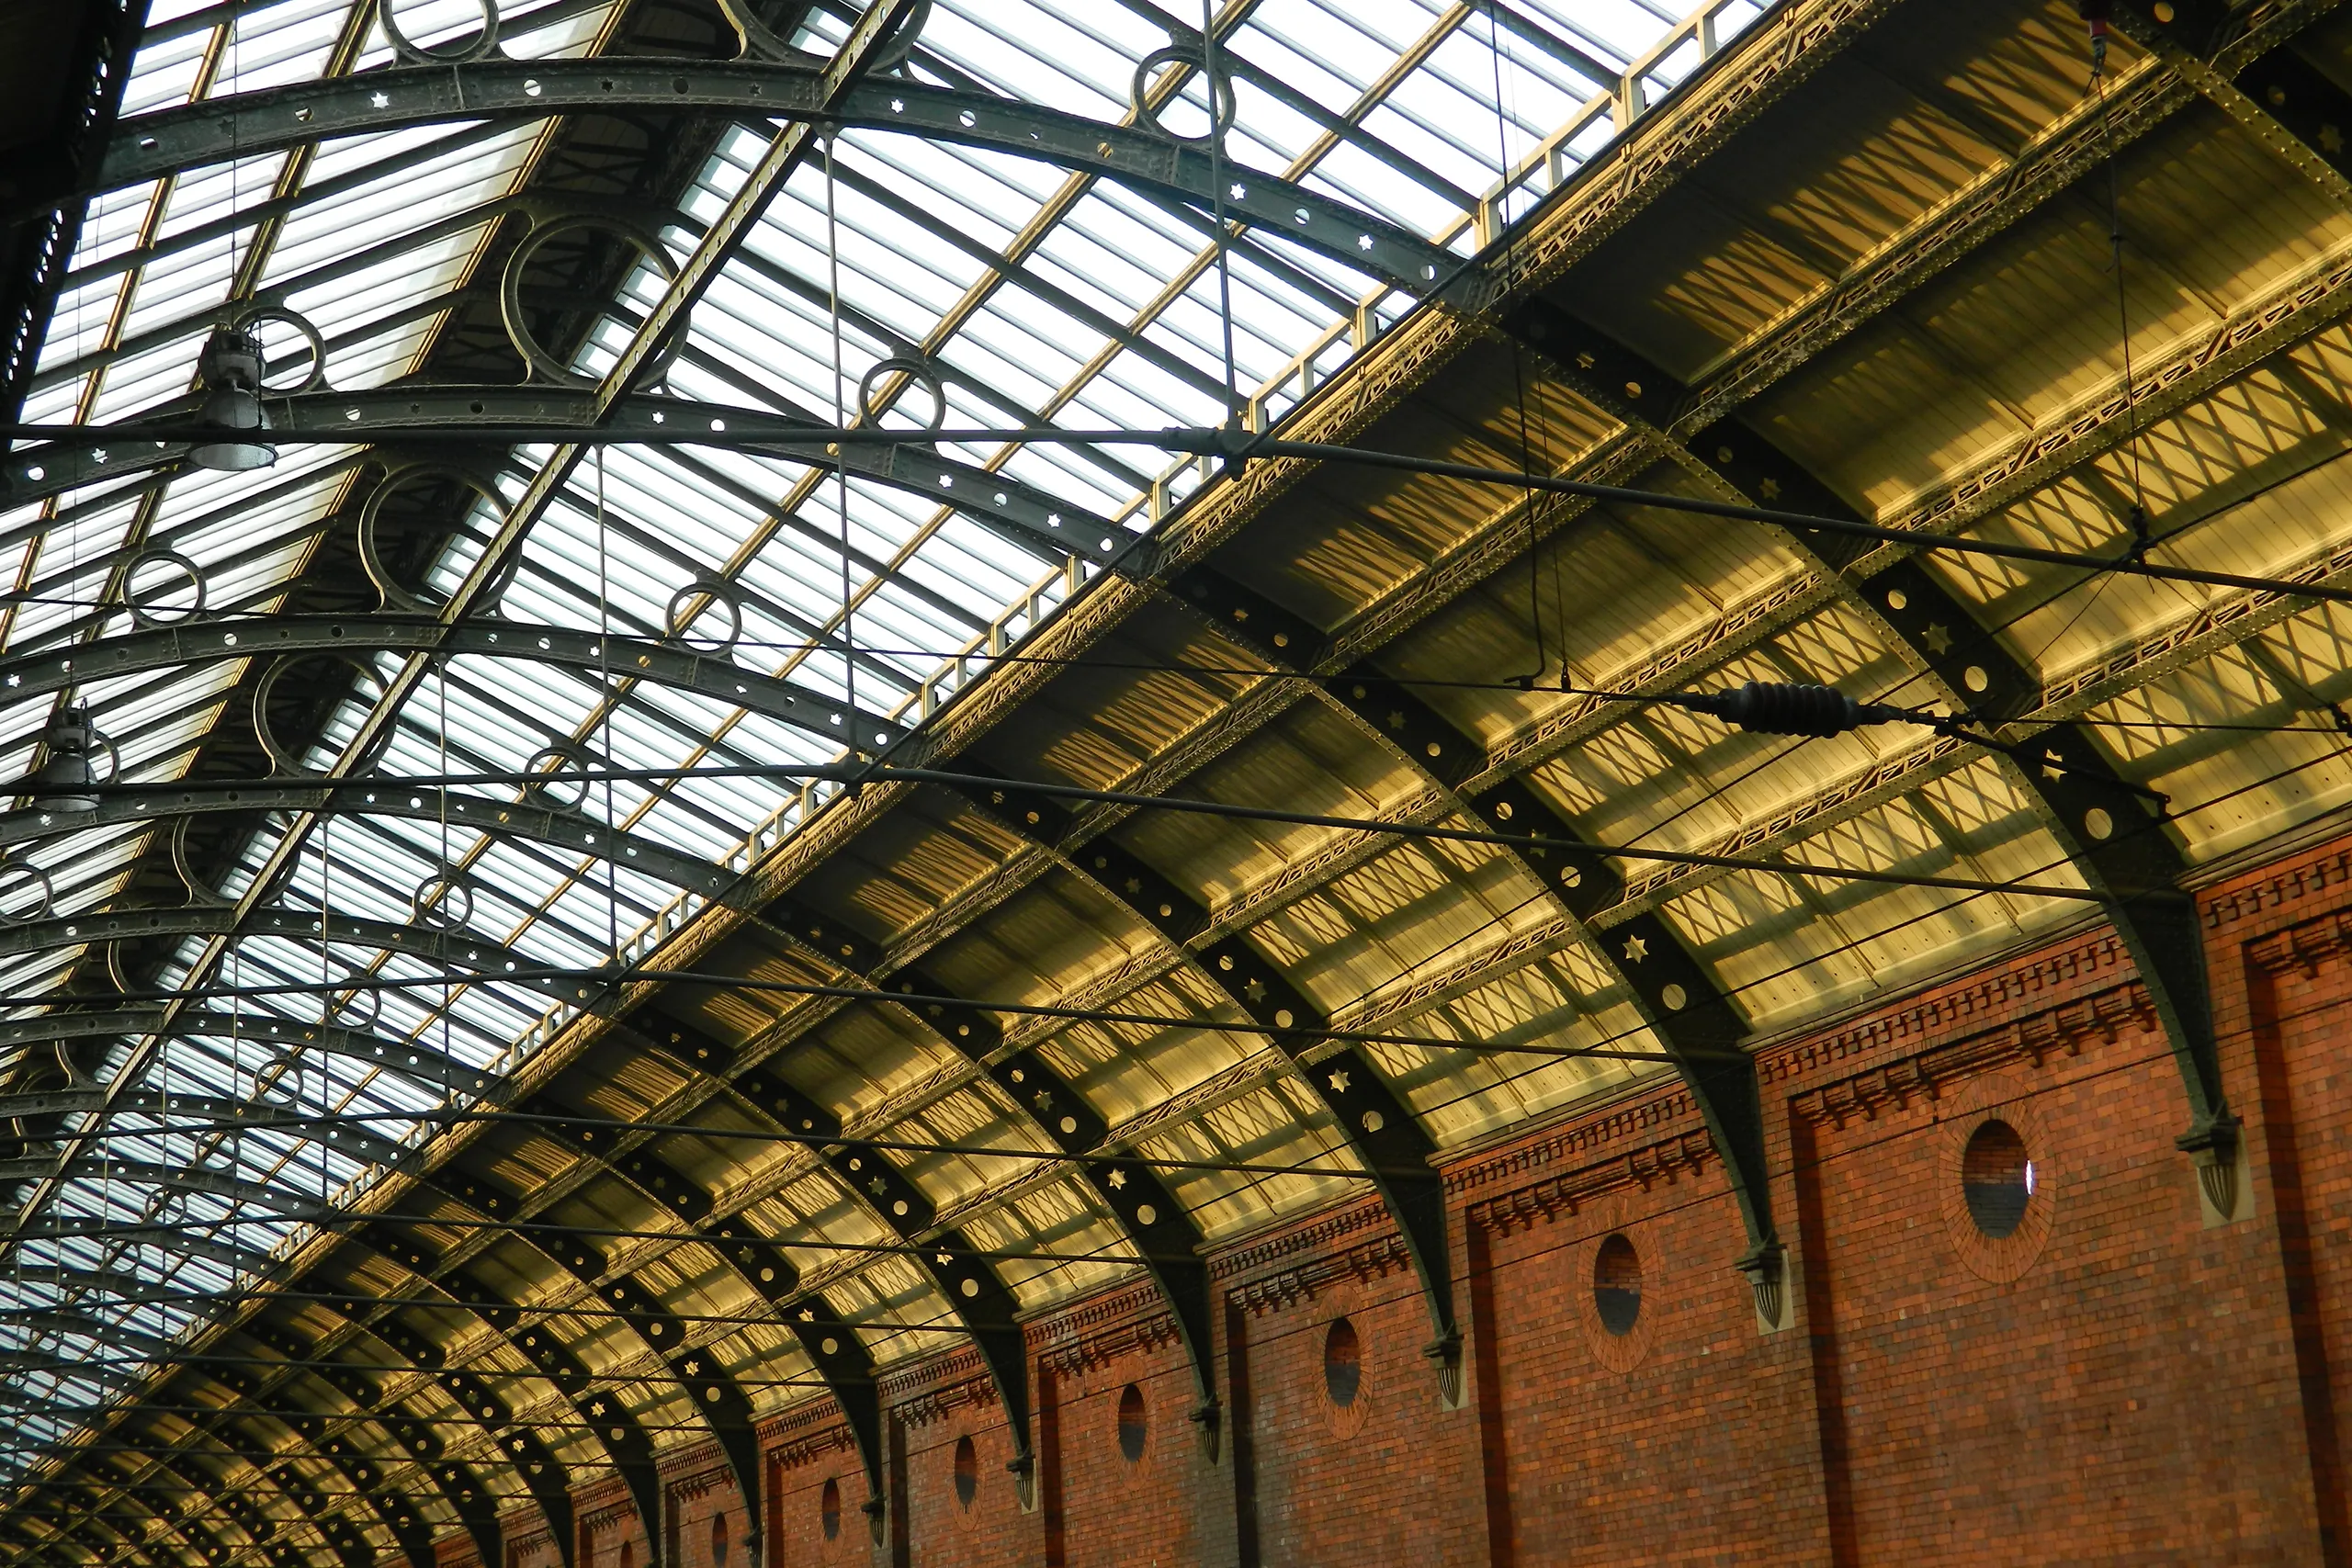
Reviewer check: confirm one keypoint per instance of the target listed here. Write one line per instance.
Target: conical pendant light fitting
(62, 782)
(232, 368)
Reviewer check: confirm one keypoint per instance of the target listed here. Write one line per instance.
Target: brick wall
(2130, 1376)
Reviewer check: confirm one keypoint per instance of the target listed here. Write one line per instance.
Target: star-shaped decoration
(1338, 1082)
(1636, 949)
(1042, 1099)
(1769, 490)
(875, 1187)
(1117, 1180)
(807, 1315)
(1395, 718)
(381, 100)
(693, 1367)
(1254, 988)
(2053, 771)
(1936, 637)
(1134, 884)
(597, 1408)
(2331, 139)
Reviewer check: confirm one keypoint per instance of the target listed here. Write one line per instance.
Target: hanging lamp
(66, 780)
(231, 368)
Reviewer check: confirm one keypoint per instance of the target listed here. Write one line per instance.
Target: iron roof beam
(150, 146)
(1676, 995)
(1137, 1201)
(406, 1058)
(573, 832)
(663, 663)
(1376, 1127)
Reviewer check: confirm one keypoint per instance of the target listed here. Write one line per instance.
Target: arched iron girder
(710, 1389)
(402, 1058)
(208, 1111)
(833, 1349)
(487, 962)
(1379, 1130)
(1139, 1203)
(543, 1476)
(400, 1518)
(222, 1485)
(985, 1308)
(465, 1493)
(1033, 518)
(1698, 1026)
(195, 1531)
(573, 832)
(624, 1442)
(666, 664)
(150, 146)
(2104, 825)
(233, 1189)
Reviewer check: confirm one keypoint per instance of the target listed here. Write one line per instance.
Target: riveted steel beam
(2102, 823)
(409, 1059)
(150, 146)
(626, 1446)
(959, 1270)
(663, 663)
(1698, 1025)
(545, 1478)
(1375, 1125)
(1159, 1228)
(202, 1110)
(1036, 519)
(573, 832)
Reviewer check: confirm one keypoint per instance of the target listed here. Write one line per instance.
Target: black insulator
(1784, 708)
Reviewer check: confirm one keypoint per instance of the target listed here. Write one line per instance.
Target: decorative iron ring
(301, 323)
(1223, 113)
(510, 293)
(396, 597)
(920, 370)
(760, 41)
(484, 45)
(284, 761)
(145, 615)
(48, 891)
(442, 900)
(721, 593)
(547, 792)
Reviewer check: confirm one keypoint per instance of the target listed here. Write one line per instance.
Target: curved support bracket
(177, 647)
(2105, 825)
(1034, 519)
(148, 147)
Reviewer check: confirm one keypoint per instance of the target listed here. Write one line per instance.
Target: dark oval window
(1132, 1429)
(829, 1508)
(1342, 1362)
(1996, 1177)
(718, 1540)
(968, 1472)
(1617, 1285)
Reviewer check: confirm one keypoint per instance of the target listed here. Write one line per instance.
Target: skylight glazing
(891, 278)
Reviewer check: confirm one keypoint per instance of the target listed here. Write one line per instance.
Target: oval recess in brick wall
(1997, 1183)
(829, 1510)
(1135, 1427)
(718, 1540)
(1617, 1278)
(1344, 1398)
